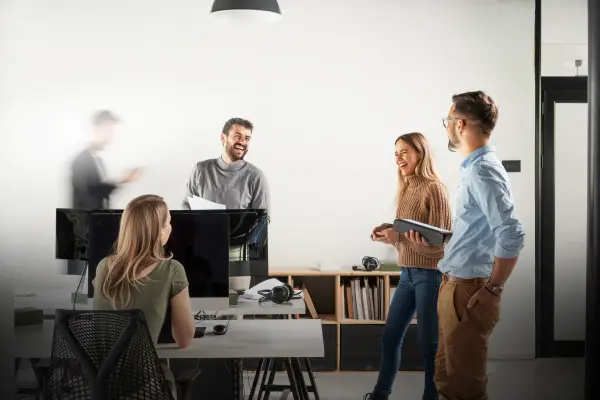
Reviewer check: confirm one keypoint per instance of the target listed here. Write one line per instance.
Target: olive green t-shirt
(152, 295)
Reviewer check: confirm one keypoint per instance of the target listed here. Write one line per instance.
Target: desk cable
(79, 286)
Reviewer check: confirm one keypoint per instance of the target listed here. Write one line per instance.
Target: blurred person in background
(90, 187)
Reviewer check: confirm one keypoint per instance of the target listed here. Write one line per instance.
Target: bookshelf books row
(363, 298)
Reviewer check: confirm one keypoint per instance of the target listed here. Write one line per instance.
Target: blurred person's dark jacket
(89, 189)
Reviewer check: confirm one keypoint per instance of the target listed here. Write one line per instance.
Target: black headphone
(369, 264)
(279, 294)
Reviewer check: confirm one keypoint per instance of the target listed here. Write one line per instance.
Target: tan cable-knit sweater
(424, 201)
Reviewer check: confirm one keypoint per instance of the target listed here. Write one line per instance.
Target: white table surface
(50, 302)
(55, 293)
(254, 339)
(244, 339)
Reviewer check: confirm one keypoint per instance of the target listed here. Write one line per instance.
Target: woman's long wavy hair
(425, 167)
(138, 246)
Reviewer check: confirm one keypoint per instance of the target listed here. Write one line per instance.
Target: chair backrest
(104, 355)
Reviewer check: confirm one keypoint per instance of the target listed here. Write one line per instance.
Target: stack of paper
(198, 203)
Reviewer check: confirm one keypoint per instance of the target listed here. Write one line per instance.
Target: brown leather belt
(450, 278)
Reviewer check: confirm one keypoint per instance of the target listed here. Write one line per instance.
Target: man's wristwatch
(493, 289)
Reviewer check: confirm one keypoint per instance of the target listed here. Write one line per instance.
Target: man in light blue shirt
(480, 256)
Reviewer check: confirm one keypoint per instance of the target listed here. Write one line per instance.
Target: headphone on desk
(369, 264)
(279, 294)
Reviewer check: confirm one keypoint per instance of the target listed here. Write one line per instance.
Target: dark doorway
(561, 218)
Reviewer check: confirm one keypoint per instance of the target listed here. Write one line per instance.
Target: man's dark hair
(477, 106)
(104, 116)
(237, 121)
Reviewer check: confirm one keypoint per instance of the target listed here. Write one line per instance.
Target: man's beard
(453, 144)
(231, 152)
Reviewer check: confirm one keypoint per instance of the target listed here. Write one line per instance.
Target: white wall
(564, 37)
(329, 89)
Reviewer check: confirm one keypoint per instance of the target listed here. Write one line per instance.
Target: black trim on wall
(592, 350)
(553, 90)
(537, 66)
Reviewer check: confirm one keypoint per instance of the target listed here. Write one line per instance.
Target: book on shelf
(363, 298)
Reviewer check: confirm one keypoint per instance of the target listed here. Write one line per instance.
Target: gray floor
(547, 379)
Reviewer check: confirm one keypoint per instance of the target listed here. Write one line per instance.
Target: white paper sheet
(198, 203)
(252, 293)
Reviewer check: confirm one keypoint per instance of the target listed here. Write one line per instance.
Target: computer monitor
(199, 241)
(71, 234)
(248, 240)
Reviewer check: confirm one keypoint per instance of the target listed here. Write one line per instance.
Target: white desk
(280, 338)
(56, 294)
(50, 302)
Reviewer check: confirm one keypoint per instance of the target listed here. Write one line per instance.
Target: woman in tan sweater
(421, 197)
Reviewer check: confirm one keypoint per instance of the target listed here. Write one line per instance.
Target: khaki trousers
(460, 365)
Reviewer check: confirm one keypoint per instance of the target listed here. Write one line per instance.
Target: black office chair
(106, 355)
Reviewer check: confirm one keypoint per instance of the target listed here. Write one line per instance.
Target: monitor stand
(239, 283)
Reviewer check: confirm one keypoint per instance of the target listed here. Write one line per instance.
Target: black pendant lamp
(246, 10)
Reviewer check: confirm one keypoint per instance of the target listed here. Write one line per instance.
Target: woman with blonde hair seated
(140, 275)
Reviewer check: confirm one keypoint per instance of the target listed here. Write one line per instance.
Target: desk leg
(289, 367)
(256, 378)
(295, 368)
(270, 368)
(300, 381)
(311, 377)
(237, 377)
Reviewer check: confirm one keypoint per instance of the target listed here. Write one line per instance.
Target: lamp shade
(246, 10)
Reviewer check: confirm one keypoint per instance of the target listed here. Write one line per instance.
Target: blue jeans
(416, 291)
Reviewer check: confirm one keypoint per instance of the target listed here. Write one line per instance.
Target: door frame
(553, 90)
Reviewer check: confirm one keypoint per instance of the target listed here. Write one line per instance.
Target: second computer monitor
(199, 241)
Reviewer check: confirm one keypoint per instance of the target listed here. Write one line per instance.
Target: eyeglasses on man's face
(445, 120)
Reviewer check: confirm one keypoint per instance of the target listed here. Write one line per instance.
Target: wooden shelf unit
(350, 344)
(293, 277)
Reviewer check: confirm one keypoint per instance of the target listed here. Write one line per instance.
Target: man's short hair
(103, 117)
(477, 106)
(237, 121)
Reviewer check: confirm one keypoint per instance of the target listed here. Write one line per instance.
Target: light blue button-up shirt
(485, 225)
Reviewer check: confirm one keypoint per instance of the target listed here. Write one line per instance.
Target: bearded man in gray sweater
(229, 179)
